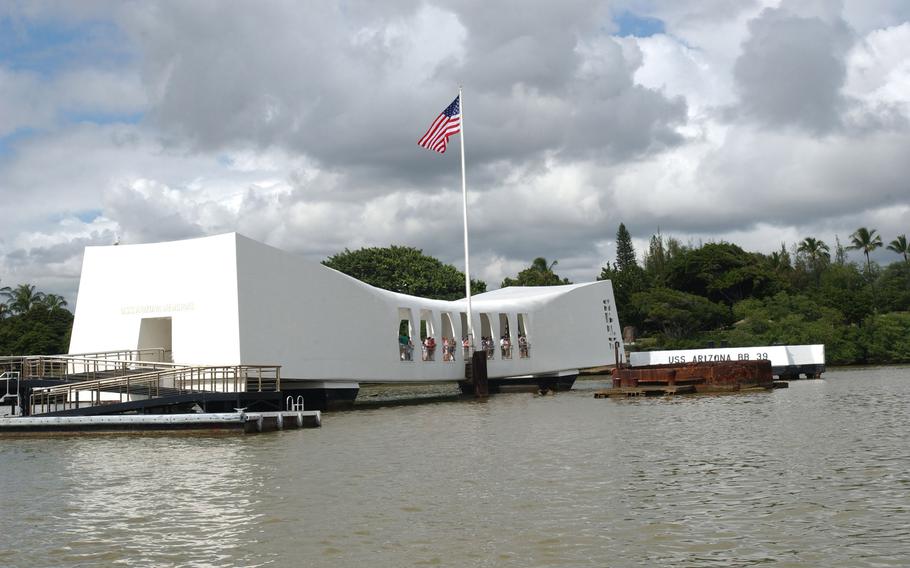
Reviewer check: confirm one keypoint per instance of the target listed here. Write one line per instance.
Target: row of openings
(430, 346)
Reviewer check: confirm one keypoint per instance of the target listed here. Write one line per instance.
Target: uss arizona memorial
(230, 300)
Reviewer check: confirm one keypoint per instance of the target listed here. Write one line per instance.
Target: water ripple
(814, 475)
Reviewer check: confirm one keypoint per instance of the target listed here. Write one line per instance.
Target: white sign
(779, 355)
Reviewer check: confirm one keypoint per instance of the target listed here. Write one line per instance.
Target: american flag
(446, 124)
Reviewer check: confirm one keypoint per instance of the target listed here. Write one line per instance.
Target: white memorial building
(229, 300)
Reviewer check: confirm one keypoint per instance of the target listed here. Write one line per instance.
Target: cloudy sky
(295, 123)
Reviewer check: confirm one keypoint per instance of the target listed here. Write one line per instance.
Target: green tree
(36, 326)
(626, 276)
(540, 273)
(867, 241)
(900, 246)
(780, 261)
(661, 251)
(51, 302)
(404, 269)
(677, 314)
(22, 298)
(815, 249)
(625, 252)
(844, 288)
(794, 319)
(840, 252)
(816, 253)
(893, 288)
(723, 272)
(885, 338)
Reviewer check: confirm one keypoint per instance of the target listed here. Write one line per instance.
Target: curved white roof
(228, 299)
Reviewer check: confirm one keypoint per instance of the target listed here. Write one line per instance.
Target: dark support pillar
(479, 373)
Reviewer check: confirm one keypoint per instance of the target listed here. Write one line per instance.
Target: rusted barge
(684, 378)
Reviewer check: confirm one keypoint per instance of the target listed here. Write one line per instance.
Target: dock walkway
(227, 422)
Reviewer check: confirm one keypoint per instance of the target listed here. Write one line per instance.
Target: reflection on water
(814, 475)
(101, 500)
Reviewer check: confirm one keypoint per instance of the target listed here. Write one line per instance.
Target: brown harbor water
(814, 475)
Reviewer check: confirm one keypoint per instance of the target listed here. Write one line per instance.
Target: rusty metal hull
(703, 377)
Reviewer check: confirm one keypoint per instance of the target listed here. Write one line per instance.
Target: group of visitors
(487, 344)
(505, 346)
(405, 347)
(429, 348)
(448, 348)
(524, 348)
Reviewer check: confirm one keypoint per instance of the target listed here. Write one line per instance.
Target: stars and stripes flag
(446, 124)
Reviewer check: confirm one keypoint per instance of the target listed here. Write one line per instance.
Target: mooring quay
(136, 391)
(225, 422)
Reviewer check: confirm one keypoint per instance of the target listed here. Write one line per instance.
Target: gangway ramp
(85, 366)
(157, 389)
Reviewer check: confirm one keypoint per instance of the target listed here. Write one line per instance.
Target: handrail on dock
(156, 383)
(81, 364)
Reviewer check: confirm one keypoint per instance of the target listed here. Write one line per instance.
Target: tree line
(33, 322)
(688, 296)
(678, 296)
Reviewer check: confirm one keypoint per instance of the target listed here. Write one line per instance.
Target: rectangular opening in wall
(487, 341)
(505, 337)
(427, 335)
(405, 335)
(449, 341)
(524, 340)
(155, 335)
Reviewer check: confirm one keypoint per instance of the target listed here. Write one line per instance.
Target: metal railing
(67, 367)
(153, 384)
(9, 395)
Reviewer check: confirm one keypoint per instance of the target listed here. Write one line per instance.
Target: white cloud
(878, 71)
(298, 127)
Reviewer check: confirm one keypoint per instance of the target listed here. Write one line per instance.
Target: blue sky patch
(98, 117)
(88, 215)
(8, 142)
(639, 26)
(50, 46)
(84, 215)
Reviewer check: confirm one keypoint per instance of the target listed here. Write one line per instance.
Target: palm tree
(815, 249)
(818, 253)
(780, 260)
(52, 302)
(865, 240)
(540, 273)
(21, 298)
(540, 264)
(900, 246)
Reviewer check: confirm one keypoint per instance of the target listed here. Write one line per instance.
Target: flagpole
(464, 200)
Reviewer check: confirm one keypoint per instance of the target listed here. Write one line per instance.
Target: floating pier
(227, 422)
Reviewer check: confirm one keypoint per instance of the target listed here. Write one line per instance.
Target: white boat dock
(229, 422)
